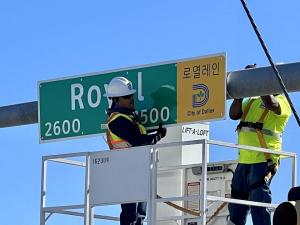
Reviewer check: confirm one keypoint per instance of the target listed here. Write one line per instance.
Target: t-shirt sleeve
(284, 106)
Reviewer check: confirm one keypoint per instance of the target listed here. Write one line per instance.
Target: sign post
(177, 92)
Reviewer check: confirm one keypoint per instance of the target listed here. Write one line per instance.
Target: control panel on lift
(219, 176)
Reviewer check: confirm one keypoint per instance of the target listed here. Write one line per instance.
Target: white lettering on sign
(65, 127)
(154, 114)
(190, 130)
(140, 94)
(109, 101)
(98, 96)
(76, 97)
(77, 92)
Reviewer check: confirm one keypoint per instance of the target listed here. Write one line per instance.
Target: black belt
(256, 125)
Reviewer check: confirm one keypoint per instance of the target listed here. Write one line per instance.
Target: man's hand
(235, 112)
(271, 103)
(272, 167)
(162, 131)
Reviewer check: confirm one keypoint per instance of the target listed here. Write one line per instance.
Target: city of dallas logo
(201, 96)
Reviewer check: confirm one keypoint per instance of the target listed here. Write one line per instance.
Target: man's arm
(236, 112)
(271, 103)
(126, 130)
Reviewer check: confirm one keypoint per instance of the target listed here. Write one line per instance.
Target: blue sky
(43, 40)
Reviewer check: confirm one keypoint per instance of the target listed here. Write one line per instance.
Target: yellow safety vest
(114, 141)
(259, 132)
(267, 137)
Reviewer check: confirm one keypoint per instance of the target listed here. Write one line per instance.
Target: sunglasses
(127, 96)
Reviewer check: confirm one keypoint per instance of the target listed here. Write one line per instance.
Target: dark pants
(133, 213)
(248, 184)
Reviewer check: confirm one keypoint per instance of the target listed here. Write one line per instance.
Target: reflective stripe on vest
(114, 141)
(267, 132)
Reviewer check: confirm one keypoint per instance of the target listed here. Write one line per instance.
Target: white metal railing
(88, 214)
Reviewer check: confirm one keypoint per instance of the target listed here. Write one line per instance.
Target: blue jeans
(133, 213)
(248, 184)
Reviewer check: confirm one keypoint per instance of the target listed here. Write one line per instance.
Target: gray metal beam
(242, 83)
(262, 81)
(19, 114)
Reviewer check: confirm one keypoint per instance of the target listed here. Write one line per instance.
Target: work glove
(161, 131)
(271, 167)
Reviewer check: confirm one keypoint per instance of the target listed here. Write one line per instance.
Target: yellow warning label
(201, 89)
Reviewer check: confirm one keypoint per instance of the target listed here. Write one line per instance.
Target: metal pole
(153, 188)
(294, 171)
(43, 193)
(150, 194)
(19, 114)
(92, 213)
(242, 83)
(261, 81)
(87, 207)
(203, 203)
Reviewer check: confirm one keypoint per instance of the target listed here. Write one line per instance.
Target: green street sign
(75, 106)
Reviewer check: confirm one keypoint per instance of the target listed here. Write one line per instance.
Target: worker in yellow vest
(124, 130)
(262, 122)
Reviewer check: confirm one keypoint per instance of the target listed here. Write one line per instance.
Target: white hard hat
(119, 86)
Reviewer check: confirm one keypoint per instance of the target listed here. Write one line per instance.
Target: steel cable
(271, 61)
